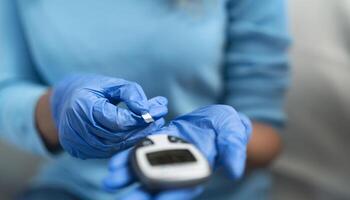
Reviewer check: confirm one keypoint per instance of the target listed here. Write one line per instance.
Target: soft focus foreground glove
(89, 123)
(218, 131)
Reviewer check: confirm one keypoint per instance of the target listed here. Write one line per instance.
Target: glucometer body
(166, 162)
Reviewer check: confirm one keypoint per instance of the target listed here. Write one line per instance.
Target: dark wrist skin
(264, 146)
(46, 125)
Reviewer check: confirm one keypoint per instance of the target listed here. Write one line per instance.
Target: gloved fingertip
(116, 180)
(158, 111)
(160, 100)
(235, 165)
(236, 172)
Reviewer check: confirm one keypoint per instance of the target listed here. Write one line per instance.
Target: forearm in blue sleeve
(17, 111)
(20, 88)
(256, 65)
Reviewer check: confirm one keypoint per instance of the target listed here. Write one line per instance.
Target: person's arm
(264, 146)
(257, 72)
(20, 86)
(45, 123)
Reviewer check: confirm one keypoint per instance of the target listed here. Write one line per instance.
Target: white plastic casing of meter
(175, 174)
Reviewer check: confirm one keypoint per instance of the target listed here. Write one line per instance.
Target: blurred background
(316, 161)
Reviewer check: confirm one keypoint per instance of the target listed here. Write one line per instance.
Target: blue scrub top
(194, 52)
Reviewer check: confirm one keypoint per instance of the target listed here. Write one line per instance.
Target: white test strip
(148, 118)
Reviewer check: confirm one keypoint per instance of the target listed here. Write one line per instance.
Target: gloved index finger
(131, 94)
(114, 118)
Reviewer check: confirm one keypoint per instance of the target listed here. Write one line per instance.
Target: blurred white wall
(316, 161)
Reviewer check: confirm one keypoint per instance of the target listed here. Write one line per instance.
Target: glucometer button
(146, 142)
(174, 139)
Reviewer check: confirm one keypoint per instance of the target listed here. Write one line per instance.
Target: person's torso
(170, 49)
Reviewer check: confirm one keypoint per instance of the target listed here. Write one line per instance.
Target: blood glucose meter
(166, 162)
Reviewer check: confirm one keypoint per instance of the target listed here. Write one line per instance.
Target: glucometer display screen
(170, 157)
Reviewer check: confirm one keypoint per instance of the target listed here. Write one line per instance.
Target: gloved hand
(218, 131)
(89, 122)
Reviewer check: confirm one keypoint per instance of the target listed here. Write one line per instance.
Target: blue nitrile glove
(218, 131)
(89, 122)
